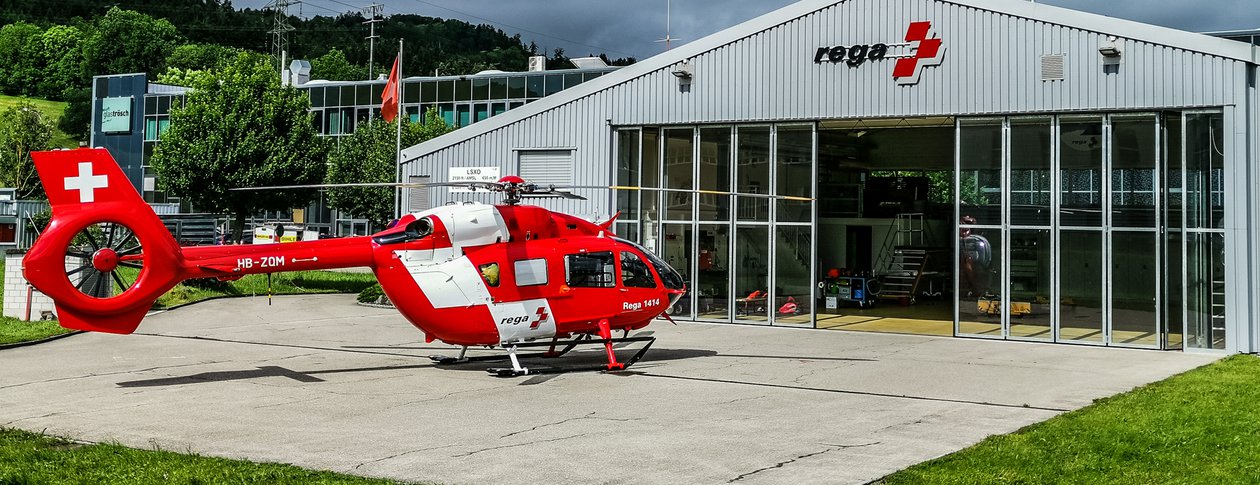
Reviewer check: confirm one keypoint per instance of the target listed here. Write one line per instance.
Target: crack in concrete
(590, 415)
(396, 455)
(733, 401)
(520, 444)
(798, 458)
(800, 380)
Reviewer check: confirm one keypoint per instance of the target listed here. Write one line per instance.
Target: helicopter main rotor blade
(492, 186)
(687, 191)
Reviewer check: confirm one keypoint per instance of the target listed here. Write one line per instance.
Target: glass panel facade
(1204, 170)
(679, 176)
(980, 281)
(628, 174)
(713, 272)
(1134, 283)
(793, 278)
(715, 174)
(1205, 290)
(1134, 173)
(650, 177)
(1081, 299)
(1101, 229)
(1080, 171)
(753, 173)
(752, 274)
(1030, 171)
(980, 171)
(1030, 288)
(794, 164)
(678, 251)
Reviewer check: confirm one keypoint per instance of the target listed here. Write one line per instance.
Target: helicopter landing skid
(517, 370)
(549, 354)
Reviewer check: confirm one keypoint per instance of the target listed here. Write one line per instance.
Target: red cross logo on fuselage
(542, 317)
(927, 52)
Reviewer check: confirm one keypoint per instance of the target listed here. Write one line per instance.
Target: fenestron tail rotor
(110, 260)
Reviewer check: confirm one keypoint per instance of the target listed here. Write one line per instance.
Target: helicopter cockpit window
(634, 272)
(590, 270)
(669, 276)
(490, 273)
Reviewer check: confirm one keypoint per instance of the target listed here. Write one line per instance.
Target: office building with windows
(130, 114)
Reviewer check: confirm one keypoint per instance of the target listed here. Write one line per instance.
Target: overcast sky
(630, 28)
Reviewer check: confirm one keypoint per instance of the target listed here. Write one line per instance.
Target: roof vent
(1052, 67)
(588, 63)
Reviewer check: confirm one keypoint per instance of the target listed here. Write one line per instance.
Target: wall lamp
(683, 71)
(1108, 48)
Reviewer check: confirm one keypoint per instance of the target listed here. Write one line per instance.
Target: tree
(241, 128)
(23, 129)
(200, 57)
(368, 156)
(19, 54)
(76, 118)
(61, 55)
(333, 66)
(124, 41)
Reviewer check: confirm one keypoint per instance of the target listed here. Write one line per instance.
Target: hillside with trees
(51, 49)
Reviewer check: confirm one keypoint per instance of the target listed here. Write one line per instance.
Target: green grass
(33, 458)
(301, 282)
(295, 283)
(13, 330)
(51, 109)
(1197, 427)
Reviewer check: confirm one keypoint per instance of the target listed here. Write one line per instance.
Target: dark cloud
(631, 28)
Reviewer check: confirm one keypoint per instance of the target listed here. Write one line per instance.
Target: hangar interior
(1083, 228)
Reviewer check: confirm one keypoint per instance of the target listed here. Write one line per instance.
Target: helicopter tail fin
(105, 256)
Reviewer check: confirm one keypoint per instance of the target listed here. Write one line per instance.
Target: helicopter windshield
(669, 276)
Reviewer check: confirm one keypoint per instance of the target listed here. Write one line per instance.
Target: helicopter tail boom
(106, 257)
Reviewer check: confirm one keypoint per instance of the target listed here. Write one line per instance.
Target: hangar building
(973, 168)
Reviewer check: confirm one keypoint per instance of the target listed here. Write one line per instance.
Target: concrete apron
(323, 383)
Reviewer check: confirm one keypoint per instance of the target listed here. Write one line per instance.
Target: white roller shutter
(547, 167)
(418, 197)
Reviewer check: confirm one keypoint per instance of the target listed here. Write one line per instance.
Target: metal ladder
(902, 279)
(1218, 309)
(903, 258)
(907, 229)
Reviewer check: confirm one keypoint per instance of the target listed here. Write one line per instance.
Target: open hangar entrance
(1102, 229)
(886, 225)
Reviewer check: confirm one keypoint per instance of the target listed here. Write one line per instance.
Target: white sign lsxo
(471, 174)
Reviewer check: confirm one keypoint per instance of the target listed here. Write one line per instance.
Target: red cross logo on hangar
(928, 51)
(921, 48)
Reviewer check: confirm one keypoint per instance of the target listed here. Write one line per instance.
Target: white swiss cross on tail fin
(83, 176)
(86, 183)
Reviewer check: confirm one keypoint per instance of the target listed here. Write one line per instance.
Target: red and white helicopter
(508, 275)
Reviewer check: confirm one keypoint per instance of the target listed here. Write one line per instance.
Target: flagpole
(398, 210)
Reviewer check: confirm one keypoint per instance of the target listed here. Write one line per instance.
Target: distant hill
(451, 46)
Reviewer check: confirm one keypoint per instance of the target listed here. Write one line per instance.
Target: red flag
(389, 98)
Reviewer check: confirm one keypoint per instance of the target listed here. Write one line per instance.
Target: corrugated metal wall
(991, 65)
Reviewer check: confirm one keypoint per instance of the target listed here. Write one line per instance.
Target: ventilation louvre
(1052, 66)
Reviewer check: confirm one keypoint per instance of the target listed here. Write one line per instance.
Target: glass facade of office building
(337, 109)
